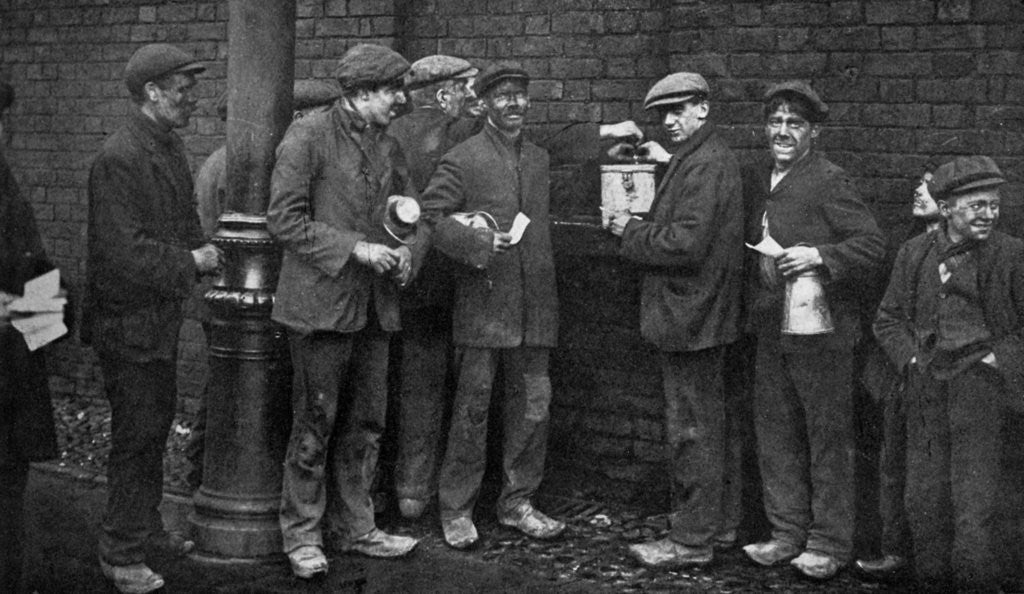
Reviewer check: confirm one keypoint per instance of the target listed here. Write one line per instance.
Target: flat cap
(803, 90)
(155, 60)
(498, 72)
(676, 88)
(368, 64)
(437, 68)
(964, 174)
(313, 92)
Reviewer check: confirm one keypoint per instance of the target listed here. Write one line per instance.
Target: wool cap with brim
(819, 110)
(676, 88)
(964, 174)
(369, 64)
(314, 92)
(437, 68)
(499, 72)
(153, 61)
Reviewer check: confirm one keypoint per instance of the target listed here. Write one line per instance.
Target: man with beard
(952, 322)
(691, 244)
(338, 297)
(146, 252)
(803, 405)
(506, 309)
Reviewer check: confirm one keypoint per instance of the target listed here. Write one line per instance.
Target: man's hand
(377, 256)
(502, 242)
(797, 259)
(617, 223)
(403, 271)
(625, 129)
(655, 152)
(208, 258)
(5, 299)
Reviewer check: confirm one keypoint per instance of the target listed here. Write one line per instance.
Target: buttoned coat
(691, 243)
(142, 228)
(328, 191)
(501, 300)
(815, 204)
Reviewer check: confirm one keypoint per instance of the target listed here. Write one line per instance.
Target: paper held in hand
(40, 311)
(768, 247)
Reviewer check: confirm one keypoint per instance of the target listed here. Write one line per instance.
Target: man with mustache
(952, 323)
(146, 252)
(803, 404)
(691, 245)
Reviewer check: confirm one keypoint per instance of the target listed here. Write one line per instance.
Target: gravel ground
(592, 552)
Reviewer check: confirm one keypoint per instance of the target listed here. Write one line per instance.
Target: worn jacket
(142, 229)
(26, 414)
(691, 243)
(815, 204)
(328, 191)
(501, 300)
(1000, 261)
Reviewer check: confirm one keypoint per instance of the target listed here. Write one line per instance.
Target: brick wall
(906, 79)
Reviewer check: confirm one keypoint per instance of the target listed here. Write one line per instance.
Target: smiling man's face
(789, 136)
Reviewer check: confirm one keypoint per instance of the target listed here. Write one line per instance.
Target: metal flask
(805, 310)
(400, 219)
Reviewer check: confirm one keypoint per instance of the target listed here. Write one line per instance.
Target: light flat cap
(676, 88)
(819, 110)
(499, 72)
(150, 62)
(369, 64)
(964, 174)
(437, 68)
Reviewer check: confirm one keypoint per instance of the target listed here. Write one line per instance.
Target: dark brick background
(906, 79)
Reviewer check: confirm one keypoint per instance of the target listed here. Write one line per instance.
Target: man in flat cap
(803, 404)
(952, 322)
(146, 252)
(506, 308)
(691, 244)
(308, 95)
(338, 297)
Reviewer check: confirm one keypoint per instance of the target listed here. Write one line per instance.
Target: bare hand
(502, 242)
(377, 256)
(656, 152)
(797, 259)
(625, 129)
(403, 270)
(208, 258)
(5, 299)
(618, 223)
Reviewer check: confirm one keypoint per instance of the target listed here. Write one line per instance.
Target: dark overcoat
(1001, 288)
(328, 191)
(26, 414)
(501, 300)
(691, 243)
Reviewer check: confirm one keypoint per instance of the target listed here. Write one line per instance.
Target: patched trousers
(339, 403)
(803, 418)
(524, 414)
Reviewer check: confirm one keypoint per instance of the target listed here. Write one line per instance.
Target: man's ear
(815, 130)
(151, 89)
(441, 97)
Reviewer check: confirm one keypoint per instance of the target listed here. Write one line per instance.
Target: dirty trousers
(339, 401)
(892, 474)
(704, 500)
(954, 482)
(803, 418)
(423, 397)
(142, 400)
(524, 414)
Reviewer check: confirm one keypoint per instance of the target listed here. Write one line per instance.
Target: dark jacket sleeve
(893, 327)
(1006, 312)
(860, 250)
(161, 267)
(571, 144)
(684, 240)
(445, 195)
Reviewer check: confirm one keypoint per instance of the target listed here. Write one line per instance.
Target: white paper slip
(518, 227)
(44, 285)
(37, 304)
(40, 329)
(768, 247)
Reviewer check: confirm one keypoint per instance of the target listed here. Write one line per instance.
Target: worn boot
(459, 533)
(136, 578)
(380, 544)
(666, 553)
(819, 566)
(531, 522)
(771, 552)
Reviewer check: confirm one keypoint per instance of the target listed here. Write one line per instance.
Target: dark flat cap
(437, 68)
(676, 88)
(369, 64)
(150, 62)
(803, 90)
(499, 72)
(964, 174)
(313, 92)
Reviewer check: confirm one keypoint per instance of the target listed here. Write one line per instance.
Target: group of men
(471, 289)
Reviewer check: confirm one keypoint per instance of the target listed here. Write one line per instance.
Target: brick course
(907, 79)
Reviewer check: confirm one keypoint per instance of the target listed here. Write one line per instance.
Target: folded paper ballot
(40, 311)
(768, 247)
(483, 220)
(518, 227)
